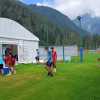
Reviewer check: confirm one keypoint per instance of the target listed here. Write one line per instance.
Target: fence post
(63, 54)
(81, 54)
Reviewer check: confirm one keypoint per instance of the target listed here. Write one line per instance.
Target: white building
(24, 43)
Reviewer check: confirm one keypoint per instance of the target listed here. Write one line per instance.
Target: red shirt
(8, 60)
(54, 56)
(13, 61)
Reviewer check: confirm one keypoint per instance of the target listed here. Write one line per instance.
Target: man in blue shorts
(49, 61)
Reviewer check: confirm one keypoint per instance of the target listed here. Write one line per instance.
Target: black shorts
(49, 64)
(1, 66)
(37, 58)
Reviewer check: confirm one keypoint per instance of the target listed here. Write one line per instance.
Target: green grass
(73, 81)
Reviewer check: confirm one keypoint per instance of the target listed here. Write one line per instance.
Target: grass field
(73, 81)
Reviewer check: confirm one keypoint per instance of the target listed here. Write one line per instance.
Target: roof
(11, 29)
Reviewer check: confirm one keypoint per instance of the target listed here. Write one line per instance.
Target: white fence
(62, 52)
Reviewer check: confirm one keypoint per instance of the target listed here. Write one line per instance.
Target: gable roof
(11, 29)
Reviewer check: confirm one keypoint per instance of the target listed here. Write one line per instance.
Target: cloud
(45, 3)
(73, 8)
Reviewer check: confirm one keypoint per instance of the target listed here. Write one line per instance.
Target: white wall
(68, 51)
(30, 51)
(42, 53)
(71, 50)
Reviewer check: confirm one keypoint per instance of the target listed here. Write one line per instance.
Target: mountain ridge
(57, 17)
(89, 23)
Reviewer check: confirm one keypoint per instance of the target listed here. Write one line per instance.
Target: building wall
(30, 51)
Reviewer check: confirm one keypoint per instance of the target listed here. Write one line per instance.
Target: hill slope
(57, 18)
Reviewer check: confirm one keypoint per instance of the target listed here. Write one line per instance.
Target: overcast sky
(71, 8)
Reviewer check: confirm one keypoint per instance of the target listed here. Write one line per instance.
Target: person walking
(37, 56)
(54, 58)
(49, 61)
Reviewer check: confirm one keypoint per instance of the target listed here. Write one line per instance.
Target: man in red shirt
(13, 61)
(54, 58)
(6, 59)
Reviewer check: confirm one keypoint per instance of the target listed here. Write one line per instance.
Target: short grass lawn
(73, 81)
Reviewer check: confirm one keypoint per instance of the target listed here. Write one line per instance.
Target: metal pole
(47, 35)
(81, 44)
(63, 54)
(79, 19)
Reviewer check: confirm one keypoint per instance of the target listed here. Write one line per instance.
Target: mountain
(52, 29)
(89, 23)
(57, 18)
